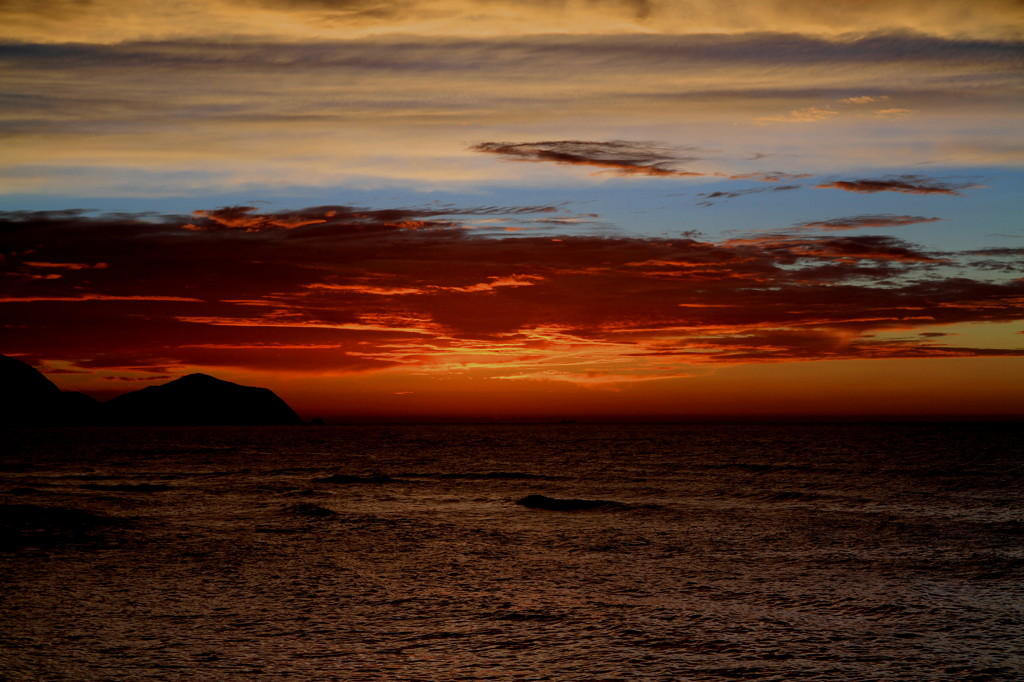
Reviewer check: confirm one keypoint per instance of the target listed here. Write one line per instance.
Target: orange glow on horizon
(440, 320)
(910, 388)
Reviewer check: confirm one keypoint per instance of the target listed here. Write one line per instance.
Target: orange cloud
(355, 291)
(864, 99)
(495, 283)
(123, 20)
(67, 266)
(243, 218)
(806, 115)
(94, 297)
(895, 112)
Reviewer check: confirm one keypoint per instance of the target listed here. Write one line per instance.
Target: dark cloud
(999, 252)
(627, 158)
(622, 156)
(844, 249)
(342, 289)
(711, 198)
(1004, 259)
(766, 176)
(368, 10)
(382, 10)
(908, 184)
(863, 221)
(801, 344)
(610, 52)
(247, 218)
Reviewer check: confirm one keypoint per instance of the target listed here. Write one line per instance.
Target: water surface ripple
(729, 552)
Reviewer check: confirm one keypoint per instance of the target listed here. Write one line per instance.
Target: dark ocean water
(819, 552)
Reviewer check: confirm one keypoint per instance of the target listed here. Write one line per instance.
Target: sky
(540, 208)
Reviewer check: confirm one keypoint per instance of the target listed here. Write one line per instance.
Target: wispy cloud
(626, 157)
(67, 266)
(907, 184)
(895, 112)
(858, 222)
(622, 156)
(841, 249)
(94, 119)
(711, 198)
(248, 219)
(118, 20)
(864, 99)
(806, 115)
(96, 297)
(766, 176)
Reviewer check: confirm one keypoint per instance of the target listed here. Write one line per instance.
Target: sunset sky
(497, 208)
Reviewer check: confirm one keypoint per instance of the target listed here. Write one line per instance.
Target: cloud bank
(342, 289)
(117, 20)
(167, 115)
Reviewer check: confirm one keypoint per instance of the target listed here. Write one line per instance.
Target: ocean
(401, 552)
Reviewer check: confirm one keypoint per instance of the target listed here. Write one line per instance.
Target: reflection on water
(399, 553)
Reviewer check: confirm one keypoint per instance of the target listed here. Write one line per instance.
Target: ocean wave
(486, 476)
(347, 478)
(575, 504)
(128, 487)
(22, 524)
(309, 510)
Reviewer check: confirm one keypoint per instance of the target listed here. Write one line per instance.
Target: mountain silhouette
(29, 398)
(199, 399)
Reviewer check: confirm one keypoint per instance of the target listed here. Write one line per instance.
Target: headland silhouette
(29, 398)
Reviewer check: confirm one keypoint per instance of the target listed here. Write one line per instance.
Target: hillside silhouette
(29, 398)
(200, 399)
